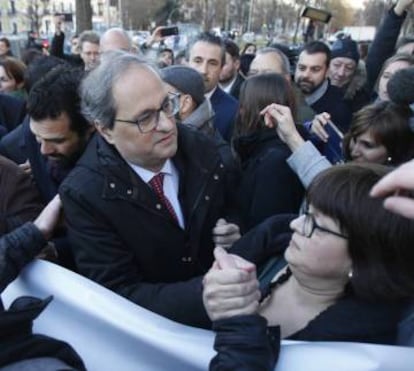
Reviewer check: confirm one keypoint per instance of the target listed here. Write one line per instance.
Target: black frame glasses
(149, 120)
(309, 225)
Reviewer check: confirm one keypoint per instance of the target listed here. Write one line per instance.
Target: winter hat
(186, 80)
(345, 47)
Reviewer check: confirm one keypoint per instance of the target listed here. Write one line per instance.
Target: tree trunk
(83, 15)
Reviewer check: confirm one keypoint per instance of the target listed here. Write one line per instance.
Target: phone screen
(168, 31)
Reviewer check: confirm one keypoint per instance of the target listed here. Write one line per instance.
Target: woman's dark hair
(389, 125)
(256, 93)
(380, 243)
(246, 46)
(14, 68)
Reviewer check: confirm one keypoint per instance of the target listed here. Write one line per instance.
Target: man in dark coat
(207, 56)
(143, 201)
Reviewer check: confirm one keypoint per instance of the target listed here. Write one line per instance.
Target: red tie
(157, 185)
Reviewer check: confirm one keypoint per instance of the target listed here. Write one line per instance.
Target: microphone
(400, 87)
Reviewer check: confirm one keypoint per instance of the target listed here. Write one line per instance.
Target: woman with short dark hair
(348, 273)
(380, 133)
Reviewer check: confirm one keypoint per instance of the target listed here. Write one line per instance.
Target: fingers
(318, 124)
(226, 260)
(400, 205)
(230, 292)
(401, 178)
(225, 234)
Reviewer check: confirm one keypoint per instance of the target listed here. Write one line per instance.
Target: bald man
(115, 39)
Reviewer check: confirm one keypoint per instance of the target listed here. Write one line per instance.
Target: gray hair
(285, 60)
(98, 103)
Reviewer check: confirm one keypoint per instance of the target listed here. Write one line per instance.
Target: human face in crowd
(386, 75)
(251, 49)
(7, 83)
(57, 141)
(3, 49)
(311, 71)
(265, 63)
(323, 254)
(149, 150)
(166, 58)
(341, 71)
(74, 45)
(206, 59)
(230, 69)
(90, 55)
(364, 148)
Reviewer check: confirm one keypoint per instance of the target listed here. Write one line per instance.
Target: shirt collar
(147, 175)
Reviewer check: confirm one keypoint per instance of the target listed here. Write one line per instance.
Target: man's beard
(307, 87)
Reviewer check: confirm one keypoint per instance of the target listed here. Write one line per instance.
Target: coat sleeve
(102, 256)
(20, 199)
(18, 248)
(382, 46)
(245, 343)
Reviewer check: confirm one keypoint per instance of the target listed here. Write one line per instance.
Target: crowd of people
(229, 190)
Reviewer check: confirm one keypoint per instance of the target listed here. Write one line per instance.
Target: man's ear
(237, 64)
(104, 131)
(187, 105)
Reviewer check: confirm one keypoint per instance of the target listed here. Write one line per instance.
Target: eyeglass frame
(315, 225)
(171, 97)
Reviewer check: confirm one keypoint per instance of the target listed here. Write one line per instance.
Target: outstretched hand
(225, 234)
(280, 117)
(398, 188)
(230, 287)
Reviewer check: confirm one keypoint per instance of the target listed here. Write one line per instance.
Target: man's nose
(46, 148)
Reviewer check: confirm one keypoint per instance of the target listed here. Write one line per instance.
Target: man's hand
(398, 189)
(280, 117)
(25, 166)
(49, 217)
(225, 234)
(230, 287)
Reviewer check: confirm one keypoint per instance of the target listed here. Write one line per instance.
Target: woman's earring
(389, 160)
(350, 274)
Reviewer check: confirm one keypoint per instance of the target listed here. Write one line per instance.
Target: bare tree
(83, 15)
(36, 9)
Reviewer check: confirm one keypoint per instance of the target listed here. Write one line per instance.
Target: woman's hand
(225, 234)
(280, 117)
(318, 124)
(230, 287)
(49, 217)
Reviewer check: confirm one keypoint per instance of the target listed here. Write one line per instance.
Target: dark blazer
(235, 89)
(123, 241)
(225, 109)
(12, 112)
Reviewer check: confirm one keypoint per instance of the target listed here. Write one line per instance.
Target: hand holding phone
(169, 31)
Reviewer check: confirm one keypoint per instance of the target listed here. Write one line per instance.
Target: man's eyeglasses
(309, 225)
(149, 120)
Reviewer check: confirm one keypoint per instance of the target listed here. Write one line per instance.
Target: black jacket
(12, 112)
(122, 241)
(244, 343)
(268, 185)
(17, 342)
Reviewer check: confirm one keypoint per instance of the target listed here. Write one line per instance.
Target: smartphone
(333, 148)
(169, 31)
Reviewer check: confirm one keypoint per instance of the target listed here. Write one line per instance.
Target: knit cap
(346, 48)
(186, 80)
